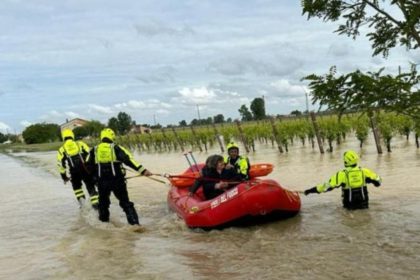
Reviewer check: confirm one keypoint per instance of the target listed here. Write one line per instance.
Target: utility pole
(263, 98)
(154, 119)
(307, 103)
(198, 112)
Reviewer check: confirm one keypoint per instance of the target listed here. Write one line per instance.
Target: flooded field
(44, 234)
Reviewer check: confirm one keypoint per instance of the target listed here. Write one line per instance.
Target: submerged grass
(20, 147)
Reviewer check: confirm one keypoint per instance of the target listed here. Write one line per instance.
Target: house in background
(140, 129)
(72, 124)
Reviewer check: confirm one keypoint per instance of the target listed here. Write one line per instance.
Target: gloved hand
(221, 185)
(311, 190)
(65, 178)
(146, 173)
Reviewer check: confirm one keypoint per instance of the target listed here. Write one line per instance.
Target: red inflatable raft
(254, 201)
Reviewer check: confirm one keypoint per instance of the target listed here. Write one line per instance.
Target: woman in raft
(215, 178)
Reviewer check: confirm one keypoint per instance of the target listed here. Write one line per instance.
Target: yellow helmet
(232, 145)
(350, 158)
(108, 133)
(67, 133)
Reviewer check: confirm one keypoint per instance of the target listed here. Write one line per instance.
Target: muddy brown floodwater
(44, 235)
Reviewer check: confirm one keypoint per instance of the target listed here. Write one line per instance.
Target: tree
(387, 29)
(121, 124)
(3, 138)
(219, 118)
(183, 123)
(124, 123)
(41, 133)
(246, 115)
(296, 113)
(113, 124)
(258, 108)
(81, 132)
(156, 126)
(94, 128)
(366, 92)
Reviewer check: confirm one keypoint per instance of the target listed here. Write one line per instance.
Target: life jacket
(73, 154)
(239, 163)
(106, 160)
(355, 183)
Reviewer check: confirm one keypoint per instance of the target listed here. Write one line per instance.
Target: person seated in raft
(238, 162)
(214, 178)
(353, 180)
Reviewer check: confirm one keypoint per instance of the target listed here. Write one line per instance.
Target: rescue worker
(352, 179)
(239, 163)
(106, 161)
(73, 154)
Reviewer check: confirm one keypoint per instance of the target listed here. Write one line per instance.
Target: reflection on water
(45, 235)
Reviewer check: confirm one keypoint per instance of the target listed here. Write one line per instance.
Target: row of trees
(8, 137)
(41, 133)
(255, 112)
(123, 123)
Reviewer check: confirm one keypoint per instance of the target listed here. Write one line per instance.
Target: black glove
(311, 190)
(374, 182)
(64, 177)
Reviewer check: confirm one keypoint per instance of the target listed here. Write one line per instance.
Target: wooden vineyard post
(241, 133)
(216, 132)
(375, 134)
(139, 144)
(178, 140)
(276, 135)
(167, 145)
(316, 129)
(195, 139)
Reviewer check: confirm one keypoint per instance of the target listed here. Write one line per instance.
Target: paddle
(168, 176)
(148, 177)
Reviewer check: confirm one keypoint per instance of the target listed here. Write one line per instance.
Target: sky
(164, 61)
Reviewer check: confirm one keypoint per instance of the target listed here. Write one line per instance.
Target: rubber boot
(81, 201)
(103, 215)
(132, 217)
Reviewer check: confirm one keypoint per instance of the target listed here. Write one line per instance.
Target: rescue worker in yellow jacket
(353, 180)
(234, 160)
(106, 160)
(72, 154)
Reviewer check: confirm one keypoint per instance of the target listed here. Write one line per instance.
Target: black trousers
(118, 186)
(77, 177)
(359, 198)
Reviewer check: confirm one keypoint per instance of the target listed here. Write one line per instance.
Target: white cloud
(100, 109)
(55, 113)
(52, 116)
(72, 115)
(285, 89)
(156, 58)
(200, 96)
(151, 29)
(339, 49)
(4, 127)
(163, 112)
(143, 105)
(272, 66)
(25, 123)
